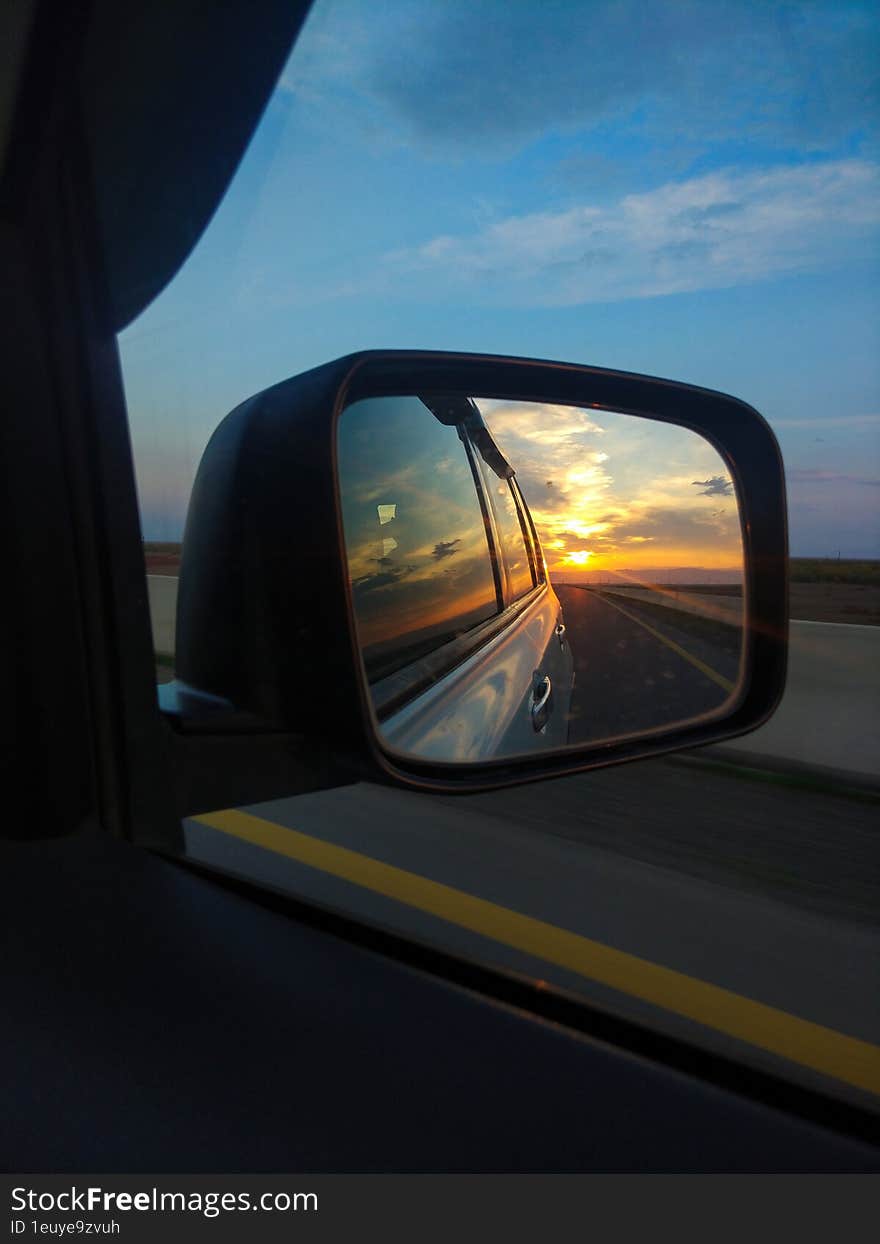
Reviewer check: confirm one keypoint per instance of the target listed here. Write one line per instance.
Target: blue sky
(686, 189)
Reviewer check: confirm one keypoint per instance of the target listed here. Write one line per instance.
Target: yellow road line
(798, 1040)
(722, 682)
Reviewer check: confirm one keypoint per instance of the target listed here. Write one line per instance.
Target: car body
(461, 633)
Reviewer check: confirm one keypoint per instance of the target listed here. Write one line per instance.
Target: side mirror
(462, 571)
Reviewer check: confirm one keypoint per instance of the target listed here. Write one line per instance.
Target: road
(603, 883)
(162, 593)
(638, 667)
(764, 891)
(828, 723)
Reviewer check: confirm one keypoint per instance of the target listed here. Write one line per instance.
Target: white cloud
(711, 232)
(539, 422)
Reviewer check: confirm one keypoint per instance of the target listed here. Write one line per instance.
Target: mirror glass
(527, 576)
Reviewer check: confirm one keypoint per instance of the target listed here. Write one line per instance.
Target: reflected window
(531, 534)
(418, 553)
(511, 536)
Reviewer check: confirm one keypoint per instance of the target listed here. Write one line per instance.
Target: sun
(579, 558)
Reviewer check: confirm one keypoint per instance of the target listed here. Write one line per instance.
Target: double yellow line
(800, 1041)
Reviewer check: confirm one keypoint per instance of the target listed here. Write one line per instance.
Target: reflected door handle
(560, 634)
(542, 703)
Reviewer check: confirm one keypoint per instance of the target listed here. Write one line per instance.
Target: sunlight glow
(655, 499)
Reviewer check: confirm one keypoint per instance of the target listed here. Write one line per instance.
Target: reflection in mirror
(527, 576)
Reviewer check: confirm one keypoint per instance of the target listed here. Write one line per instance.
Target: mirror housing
(266, 638)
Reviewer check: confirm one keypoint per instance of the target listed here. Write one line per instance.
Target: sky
(616, 496)
(687, 189)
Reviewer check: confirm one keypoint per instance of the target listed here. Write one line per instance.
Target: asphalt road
(638, 667)
(766, 888)
(762, 889)
(755, 885)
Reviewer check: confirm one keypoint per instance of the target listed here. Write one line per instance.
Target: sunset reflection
(619, 501)
(621, 498)
(418, 554)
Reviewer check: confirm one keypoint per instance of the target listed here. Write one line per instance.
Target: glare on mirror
(526, 577)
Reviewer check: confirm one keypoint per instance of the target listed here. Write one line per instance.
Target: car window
(512, 538)
(531, 535)
(610, 185)
(419, 559)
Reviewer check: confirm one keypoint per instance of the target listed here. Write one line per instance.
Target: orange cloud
(611, 492)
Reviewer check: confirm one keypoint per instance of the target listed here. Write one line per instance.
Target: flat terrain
(831, 590)
(822, 589)
(162, 558)
(857, 603)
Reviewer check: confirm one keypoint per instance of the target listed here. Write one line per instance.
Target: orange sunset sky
(613, 493)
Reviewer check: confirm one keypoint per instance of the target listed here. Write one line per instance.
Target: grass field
(834, 570)
(162, 557)
(828, 589)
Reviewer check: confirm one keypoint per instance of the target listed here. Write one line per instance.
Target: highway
(638, 667)
(739, 911)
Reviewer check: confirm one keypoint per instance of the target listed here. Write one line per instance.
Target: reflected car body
(491, 705)
(461, 633)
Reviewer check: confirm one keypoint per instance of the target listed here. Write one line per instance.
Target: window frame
(532, 542)
(488, 477)
(526, 534)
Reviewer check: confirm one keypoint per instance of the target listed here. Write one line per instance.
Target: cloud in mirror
(527, 576)
(418, 559)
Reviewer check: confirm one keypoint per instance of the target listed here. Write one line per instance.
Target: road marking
(722, 682)
(798, 1040)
